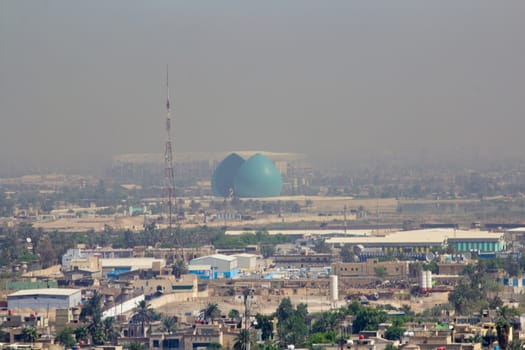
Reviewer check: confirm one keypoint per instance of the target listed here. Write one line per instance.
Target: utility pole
(247, 293)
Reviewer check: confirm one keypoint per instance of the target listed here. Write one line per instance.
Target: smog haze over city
(339, 81)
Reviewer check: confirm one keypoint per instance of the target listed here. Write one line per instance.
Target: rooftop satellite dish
(430, 257)
(467, 255)
(28, 239)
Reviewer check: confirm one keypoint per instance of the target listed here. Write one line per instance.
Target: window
(155, 343)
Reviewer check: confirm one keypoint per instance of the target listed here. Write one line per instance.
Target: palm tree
(211, 312)
(505, 312)
(243, 339)
(144, 314)
(110, 330)
(30, 334)
(179, 268)
(503, 329)
(169, 324)
(93, 307)
(92, 311)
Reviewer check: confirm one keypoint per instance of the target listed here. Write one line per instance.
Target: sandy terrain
(315, 304)
(332, 205)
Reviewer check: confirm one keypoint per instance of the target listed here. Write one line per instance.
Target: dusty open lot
(334, 206)
(315, 304)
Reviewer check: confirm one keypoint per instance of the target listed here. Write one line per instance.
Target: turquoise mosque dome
(224, 174)
(258, 177)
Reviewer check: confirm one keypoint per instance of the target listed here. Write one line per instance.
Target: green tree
(293, 330)
(110, 330)
(81, 334)
(267, 346)
(325, 322)
(321, 246)
(322, 338)
(265, 324)
(515, 344)
(169, 324)
(179, 268)
(234, 314)
(380, 271)
(92, 312)
(135, 346)
(211, 312)
(46, 251)
(284, 310)
(291, 325)
(511, 266)
(144, 314)
(368, 319)
(347, 253)
(503, 329)
(394, 332)
(6, 205)
(242, 340)
(267, 250)
(465, 297)
(30, 334)
(66, 337)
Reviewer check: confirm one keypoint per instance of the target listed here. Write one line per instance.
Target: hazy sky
(81, 81)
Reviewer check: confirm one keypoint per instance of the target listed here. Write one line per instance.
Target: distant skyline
(339, 81)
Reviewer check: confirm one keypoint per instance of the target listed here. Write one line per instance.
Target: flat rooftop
(45, 291)
(435, 236)
(133, 263)
(306, 232)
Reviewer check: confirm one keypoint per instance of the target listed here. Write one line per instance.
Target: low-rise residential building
(202, 336)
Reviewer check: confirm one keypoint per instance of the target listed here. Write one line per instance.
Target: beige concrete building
(167, 284)
(360, 274)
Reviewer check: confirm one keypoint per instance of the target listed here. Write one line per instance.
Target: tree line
(33, 246)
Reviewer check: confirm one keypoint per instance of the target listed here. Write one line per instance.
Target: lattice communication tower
(168, 187)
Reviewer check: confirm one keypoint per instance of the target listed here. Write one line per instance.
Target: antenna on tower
(169, 180)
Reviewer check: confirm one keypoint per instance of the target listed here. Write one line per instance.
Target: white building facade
(222, 266)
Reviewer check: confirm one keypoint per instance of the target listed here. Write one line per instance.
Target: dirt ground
(319, 204)
(315, 304)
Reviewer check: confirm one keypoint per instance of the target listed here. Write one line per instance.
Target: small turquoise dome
(224, 174)
(258, 177)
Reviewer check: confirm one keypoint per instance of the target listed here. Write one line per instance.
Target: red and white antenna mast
(169, 180)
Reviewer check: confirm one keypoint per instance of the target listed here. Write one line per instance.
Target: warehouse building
(246, 262)
(47, 298)
(426, 240)
(222, 266)
(203, 272)
(116, 266)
